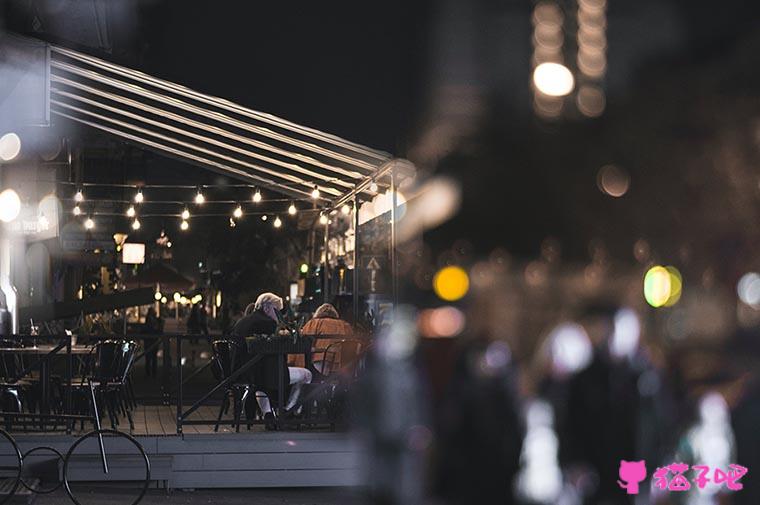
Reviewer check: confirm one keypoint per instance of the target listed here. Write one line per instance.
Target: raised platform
(204, 459)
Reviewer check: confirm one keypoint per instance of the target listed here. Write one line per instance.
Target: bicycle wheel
(41, 467)
(10, 467)
(123, 455)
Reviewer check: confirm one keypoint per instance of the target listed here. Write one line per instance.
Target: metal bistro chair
(227, 359)
(108, 368)
(13, 393)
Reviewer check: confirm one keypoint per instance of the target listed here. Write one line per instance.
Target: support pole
(355, 288)
(326, 282)
(394, 273)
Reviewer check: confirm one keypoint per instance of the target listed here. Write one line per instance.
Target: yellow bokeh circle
(451, 283)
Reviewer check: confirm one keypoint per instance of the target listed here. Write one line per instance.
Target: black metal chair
(105, 381)
(13, 392)
(227, 359)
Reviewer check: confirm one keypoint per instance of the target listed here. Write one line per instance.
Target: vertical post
(179, 385)
(69, 373)
(326, 282)
(355, 288)
(166, 365)
(394, 275)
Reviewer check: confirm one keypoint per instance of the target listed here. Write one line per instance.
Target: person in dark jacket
(151, 328)
(261, 318)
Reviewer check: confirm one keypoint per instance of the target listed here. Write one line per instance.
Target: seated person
(326, 327)
(261, 318)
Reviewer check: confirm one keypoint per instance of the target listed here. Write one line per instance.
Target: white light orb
(553, 79)
(10, 146)
(184, 225)
(10, 205)
(89, 224)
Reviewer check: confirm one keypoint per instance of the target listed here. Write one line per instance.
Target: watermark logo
(673, 476)
(632, 473)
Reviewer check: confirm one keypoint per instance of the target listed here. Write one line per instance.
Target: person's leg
(263, 401)
(298, 377)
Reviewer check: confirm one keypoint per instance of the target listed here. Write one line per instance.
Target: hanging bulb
(184, 225)
(373, 187)
(89, 224)
(315, 192)
(136, 224)
(292, 209)
(277, 222)
(238, 212)
(185, 214)
(199, 198)
(79, 196)
(264, 217)
(323, 218)
(232, 223)
(139, 196)
(77, 211)
(257, 196)
(131, 211)
(346, 209)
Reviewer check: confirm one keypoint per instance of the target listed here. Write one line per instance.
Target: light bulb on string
(79, 196)
(323, 218)
(136, 224)
(77, 211)
(199, 198)
(232, 223)
(346, 209)
(238, 212)
(315, 192)
(185, 215)
(89, 224)
(292, 209)
(131, 211)
(257, 196)
(277, 222)
(139, 196)
(184, 225)
(373, 187)
(264, 217)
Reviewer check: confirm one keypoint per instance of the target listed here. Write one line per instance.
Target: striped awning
(248, 145)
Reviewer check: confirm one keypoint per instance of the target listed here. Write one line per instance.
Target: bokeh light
(443, 322)
(570, 347)
(748, 289)
(10, 146)
(613, 181)
(553, 79)
(662, 286)
(10, 205)
(451, 283)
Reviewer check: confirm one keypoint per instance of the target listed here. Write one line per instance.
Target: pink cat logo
(632, 473)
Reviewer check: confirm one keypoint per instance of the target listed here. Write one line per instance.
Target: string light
(315, 192)
(139, 196)
(292, 209)
(136, 224)
(238, 212)
(131, 211)
(79, 196)
(346, 209)
(373, 187)
(184, 225)
(232, 223)
(277, 222)
(77, 211)
(323, 218)
(257, 196)
(185, 214)
(199, 198)
(264, 217)
(89, 224)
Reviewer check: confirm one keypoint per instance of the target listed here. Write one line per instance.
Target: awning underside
(204, 130)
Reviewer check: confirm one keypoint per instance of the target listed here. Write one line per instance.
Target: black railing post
(166, 379)
(69, 373)
(179, 385)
